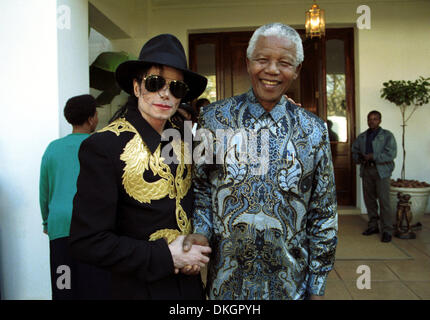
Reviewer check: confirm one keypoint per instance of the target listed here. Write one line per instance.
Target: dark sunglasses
(178, 88)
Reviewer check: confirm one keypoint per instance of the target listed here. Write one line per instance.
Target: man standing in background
(375, 151)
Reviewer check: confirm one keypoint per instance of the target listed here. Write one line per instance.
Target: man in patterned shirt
(271, 221)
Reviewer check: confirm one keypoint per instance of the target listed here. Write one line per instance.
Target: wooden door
(229, 51)
(310, 80)
(325, 87)
(339, 100)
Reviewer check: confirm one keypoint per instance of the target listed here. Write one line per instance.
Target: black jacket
(111, 225)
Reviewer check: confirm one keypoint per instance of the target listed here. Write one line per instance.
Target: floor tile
(410, 270)
(336, 290)
(347, 270)
(422, 247)
(354, 246)
(333, 276)
(391, 279)
(410, 247)
(423, 235)
(381, 290)
(420, 288)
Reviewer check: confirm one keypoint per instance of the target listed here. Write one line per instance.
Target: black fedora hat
(164, 49)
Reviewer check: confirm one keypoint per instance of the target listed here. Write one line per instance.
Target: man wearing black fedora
(132, 207)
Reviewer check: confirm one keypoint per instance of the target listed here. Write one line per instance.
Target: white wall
(42, 68)
(29, 86)
(396, 48)
(122, 13)
(97, 43)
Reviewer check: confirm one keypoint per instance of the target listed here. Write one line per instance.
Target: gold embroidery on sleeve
(169, 234)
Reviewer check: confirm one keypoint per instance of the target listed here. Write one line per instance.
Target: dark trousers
(377, 190)
(73, 280)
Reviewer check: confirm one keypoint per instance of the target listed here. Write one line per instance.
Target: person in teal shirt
(58, 175)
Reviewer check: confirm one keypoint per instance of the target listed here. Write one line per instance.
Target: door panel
(239, 74)
(340, 107)
(309, 77)
(231, 73)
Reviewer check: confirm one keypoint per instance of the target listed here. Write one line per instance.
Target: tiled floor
(390, 279)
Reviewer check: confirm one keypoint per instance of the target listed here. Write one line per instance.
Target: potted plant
(407, 95)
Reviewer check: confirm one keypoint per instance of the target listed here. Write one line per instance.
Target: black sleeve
(93, 237)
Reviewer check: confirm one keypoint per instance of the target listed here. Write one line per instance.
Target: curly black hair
(79, 108)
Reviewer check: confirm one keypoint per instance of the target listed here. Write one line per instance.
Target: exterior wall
(121, 13)
(396, 47)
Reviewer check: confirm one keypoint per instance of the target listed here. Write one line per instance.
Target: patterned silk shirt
(267, 202)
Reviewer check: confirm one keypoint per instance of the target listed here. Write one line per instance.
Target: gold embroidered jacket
(128, 200)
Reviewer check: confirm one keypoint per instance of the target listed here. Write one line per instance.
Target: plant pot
(419, 200)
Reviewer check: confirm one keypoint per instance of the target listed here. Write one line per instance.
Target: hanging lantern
(315, 22)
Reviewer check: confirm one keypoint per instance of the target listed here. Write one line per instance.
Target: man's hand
(292, 101)
(368, 157)
(194, 238)
(189, 241)
(190, 270)
(196, 255)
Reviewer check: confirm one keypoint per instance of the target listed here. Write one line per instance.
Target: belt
(373, 163)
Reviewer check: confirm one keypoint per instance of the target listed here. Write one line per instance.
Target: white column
(73, 69)
(39, 72)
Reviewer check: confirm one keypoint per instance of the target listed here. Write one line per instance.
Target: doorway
(325, 87)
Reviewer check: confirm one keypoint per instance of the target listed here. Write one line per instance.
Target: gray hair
(279, 30)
